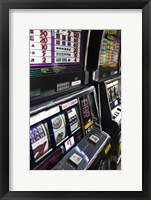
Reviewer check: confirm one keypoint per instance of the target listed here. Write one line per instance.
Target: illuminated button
(83, 103)
(87, 114)
(94, 138)
(87, 108)
(86, 102)
(76, 159)
(84, 110)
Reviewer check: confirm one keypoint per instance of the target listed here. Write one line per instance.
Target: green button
(35, 92)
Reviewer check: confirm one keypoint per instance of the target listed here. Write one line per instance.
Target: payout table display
(54, 51)
(110, 48)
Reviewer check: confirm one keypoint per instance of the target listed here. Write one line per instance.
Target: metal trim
(49, 104)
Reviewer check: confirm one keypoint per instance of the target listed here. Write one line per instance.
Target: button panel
(63, 86)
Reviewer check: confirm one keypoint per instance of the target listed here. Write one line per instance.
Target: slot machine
(103, 63)
(56, 63)
(65, 129)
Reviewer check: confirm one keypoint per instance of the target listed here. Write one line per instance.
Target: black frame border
(5, 5)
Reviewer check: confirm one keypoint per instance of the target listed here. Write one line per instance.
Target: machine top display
(55, 51)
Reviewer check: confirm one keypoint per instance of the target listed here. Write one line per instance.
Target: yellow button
(88, 124)
(107, 148)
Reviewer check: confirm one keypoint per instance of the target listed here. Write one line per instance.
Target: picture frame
(5, 6)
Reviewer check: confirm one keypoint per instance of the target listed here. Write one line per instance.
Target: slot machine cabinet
(66, 135)
(61, 113)
(104, 54)
(56, 63)
(110, 94)
(104, 67)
